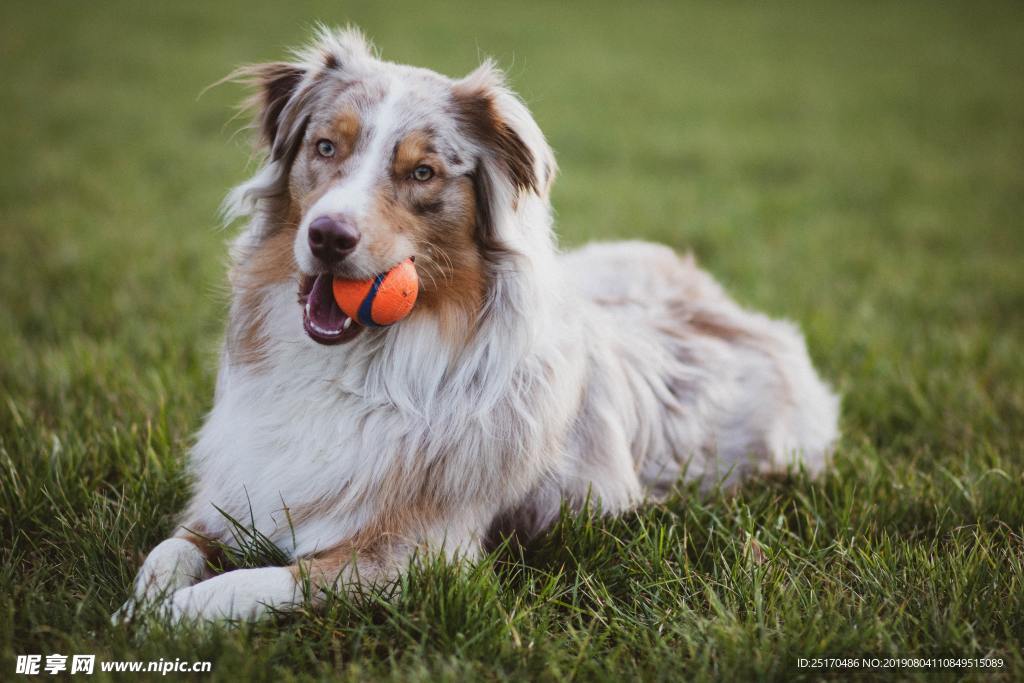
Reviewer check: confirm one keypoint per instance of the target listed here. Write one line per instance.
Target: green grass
(859, 169)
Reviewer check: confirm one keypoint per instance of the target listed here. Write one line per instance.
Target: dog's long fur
(523, 378)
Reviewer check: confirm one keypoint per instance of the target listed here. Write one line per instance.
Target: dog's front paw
(240, 595)
(124, 613)
(127, 611)
(172, 565)
(136, 606)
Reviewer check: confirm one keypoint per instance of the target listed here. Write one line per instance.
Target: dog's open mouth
(324, 322)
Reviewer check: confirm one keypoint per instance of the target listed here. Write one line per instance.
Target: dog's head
(370, 163)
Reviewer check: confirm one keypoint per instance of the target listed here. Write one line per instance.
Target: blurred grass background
(858, 168)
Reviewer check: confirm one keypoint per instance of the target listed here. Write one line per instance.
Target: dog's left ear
(500, 123)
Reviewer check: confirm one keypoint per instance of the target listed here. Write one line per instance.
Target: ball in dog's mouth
(323, 321)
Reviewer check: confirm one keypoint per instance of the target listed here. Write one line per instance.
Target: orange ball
(382, 300)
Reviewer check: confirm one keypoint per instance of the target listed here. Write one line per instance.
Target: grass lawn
(858, 169)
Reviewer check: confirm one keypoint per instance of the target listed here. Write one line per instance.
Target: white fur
(244, 594)
(170, 566)
(607, 372)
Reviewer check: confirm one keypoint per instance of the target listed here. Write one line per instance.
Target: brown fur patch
(357, 557)
(204, 544)
(476, 111)
(415, 149)
(448, 258)
(198, 536)
(719, 327)
(345, 130)
(272, 261)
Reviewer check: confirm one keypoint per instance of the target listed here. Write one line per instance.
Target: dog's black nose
(332, 238)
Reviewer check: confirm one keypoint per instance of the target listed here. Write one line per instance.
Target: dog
(523, 379)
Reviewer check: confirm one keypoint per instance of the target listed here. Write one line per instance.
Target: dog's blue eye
(423, 173)
(325, 148)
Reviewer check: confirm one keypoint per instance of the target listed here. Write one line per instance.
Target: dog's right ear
(283, 95)
(279, 94)
(274, 83)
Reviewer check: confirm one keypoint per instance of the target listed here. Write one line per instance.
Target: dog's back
(737, 391)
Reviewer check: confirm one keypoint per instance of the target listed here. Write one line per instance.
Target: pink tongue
(322, 312)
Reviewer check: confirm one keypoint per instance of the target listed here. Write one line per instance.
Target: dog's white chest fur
(316, 444)
(286, 453)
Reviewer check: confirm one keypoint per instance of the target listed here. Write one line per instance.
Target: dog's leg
(175, 563)
(242, 594)
(248, 594)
